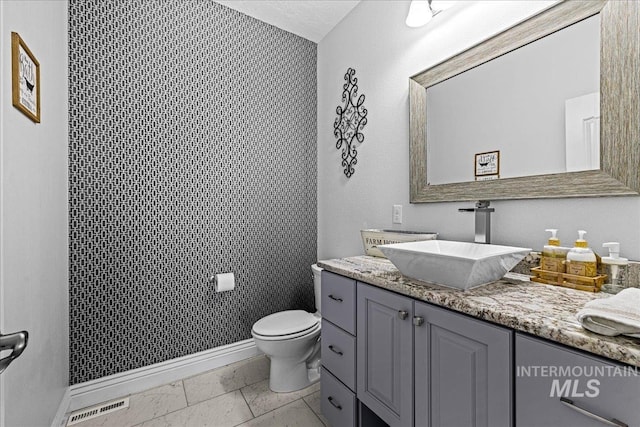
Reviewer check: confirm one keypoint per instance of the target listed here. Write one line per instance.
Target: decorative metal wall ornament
(352, 117)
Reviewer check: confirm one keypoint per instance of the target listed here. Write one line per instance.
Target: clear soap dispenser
(617, 266)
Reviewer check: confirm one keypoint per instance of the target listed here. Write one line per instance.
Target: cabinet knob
(403, 314)
(418, 320)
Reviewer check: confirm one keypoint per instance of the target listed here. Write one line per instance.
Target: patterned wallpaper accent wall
(192, 152)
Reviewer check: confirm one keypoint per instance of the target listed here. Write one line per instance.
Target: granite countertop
(542, 310)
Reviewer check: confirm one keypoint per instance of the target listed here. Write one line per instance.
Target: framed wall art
(487, 165)
(25, 79)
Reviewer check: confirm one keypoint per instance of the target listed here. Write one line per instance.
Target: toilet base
(285, 378)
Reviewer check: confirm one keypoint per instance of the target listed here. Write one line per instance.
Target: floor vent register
(96, 411)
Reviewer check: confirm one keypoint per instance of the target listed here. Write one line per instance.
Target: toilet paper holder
(223, 282)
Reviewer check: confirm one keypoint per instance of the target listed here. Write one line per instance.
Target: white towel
(617, 315)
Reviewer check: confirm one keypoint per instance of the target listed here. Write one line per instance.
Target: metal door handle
(338, 352)
(337, 406)
(418, 320)
(15, 342)
(583, 411)
(403, 314)
(335, 298)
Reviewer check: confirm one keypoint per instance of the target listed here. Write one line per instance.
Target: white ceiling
(311, 19)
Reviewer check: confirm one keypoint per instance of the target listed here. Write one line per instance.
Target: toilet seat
(286, 325)
(286, 337)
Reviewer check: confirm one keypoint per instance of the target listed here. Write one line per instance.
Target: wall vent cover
(96, 411)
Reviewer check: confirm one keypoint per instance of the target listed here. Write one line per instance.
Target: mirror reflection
(537, 106)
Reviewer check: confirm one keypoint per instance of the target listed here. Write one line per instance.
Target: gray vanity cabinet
(565, 387)
(385, 354)
(462, 370)
(460, 367)
(338, 348)
(417, 364)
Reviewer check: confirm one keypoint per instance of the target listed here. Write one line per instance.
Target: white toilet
(291, 339)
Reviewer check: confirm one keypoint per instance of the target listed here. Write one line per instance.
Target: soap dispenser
(581, 261)
(552, 255)
(616, 264)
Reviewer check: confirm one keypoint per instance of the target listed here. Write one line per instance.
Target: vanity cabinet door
(565, 387)
(462, 370)
(385, 354)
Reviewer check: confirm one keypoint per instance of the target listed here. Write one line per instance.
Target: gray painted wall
(34, 218)
(384, 53)
(192, 152)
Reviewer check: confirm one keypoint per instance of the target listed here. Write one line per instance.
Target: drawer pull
(335, 298)
(338, 352)
(403, 314)
(609, 422)
(337, 406)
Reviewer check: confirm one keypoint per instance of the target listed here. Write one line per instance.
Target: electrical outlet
(396, 217)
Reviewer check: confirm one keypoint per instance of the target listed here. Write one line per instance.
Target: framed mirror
(617, 173)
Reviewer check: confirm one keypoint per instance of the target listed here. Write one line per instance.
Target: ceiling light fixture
(422, 11)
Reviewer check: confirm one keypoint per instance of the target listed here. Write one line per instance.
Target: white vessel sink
(458, 265)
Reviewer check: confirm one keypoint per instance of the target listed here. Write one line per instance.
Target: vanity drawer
(338, 403)
(590, 386)
(339, 301)
(339, 353)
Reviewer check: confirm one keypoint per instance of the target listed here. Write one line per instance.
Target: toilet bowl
(291, 340)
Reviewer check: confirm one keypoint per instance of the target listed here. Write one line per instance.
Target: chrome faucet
(483, 220)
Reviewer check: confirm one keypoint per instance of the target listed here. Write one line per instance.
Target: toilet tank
(316, 285)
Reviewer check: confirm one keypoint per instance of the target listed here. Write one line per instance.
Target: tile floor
(233, 395)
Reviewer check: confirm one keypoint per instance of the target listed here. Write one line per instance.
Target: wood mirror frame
(619, 173)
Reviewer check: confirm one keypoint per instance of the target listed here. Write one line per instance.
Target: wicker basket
(371, 238)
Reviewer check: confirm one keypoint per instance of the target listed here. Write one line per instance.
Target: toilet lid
(285, 323)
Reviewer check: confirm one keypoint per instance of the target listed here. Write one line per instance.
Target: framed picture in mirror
(487, 165)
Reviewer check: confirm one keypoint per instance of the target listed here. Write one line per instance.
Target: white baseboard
(119, 385)
(60, 418)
